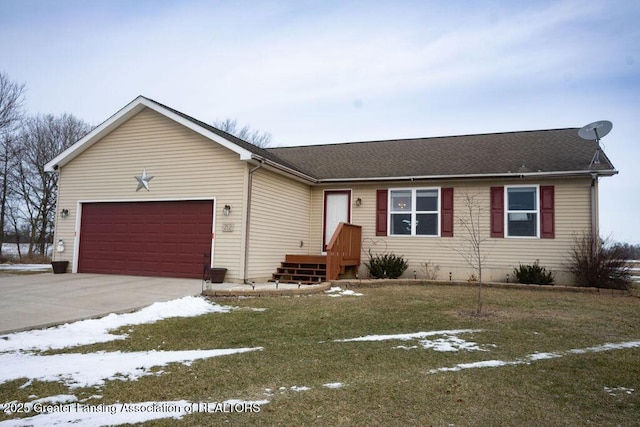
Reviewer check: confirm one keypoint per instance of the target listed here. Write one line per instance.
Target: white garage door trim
(76, 241)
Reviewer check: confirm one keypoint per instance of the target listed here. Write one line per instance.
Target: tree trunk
(3, 203)
(479, 288)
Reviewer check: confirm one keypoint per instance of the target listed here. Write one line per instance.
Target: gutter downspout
(594, 214)
(248, 221)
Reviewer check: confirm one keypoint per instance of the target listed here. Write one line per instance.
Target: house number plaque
(227, 227)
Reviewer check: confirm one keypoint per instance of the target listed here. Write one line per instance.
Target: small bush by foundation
(386, 266)
(533, 274)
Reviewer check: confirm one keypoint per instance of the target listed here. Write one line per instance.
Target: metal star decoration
(143, 180)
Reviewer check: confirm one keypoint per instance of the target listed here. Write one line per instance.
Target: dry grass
(386, 385)
(25, 259)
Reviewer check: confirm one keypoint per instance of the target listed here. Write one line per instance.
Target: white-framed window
(414, 212)
(522, 213)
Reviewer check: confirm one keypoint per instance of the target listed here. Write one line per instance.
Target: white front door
(337, 209)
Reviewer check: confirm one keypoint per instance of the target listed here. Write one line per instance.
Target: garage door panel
(121, 228)
(145, 238)
(169, 247)
(117, 255)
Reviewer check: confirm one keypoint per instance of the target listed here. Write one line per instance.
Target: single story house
(155, 192)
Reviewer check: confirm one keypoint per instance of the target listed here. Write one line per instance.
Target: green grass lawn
(385, 385)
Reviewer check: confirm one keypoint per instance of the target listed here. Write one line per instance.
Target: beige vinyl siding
(572, 216)
(280, 211)
(184, 165)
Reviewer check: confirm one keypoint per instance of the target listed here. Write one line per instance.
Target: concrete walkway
(261, 289)
(40, 300)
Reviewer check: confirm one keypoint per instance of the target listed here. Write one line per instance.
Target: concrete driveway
(39, 300)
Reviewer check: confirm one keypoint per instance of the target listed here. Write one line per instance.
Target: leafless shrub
(596, 264)
(431, 270)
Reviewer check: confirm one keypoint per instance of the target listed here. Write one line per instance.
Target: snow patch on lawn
(333, 385)
(25, 267)
(537, 356)
(59, 398)
(93, 369)
(542, 356)
(414, 335)
(337, 291)
(295, 388)
(93, 331)
(615, 391)
(606, 347)
(448, 342)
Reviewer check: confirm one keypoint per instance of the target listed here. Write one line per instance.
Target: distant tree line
(626, 250)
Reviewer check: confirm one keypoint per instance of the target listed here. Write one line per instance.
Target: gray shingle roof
(547, 151)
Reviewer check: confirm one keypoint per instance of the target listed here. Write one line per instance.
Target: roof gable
(133, 108)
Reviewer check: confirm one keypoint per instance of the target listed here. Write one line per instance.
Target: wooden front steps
(304, 269)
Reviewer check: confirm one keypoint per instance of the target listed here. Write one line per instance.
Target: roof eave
(286, 170)
(131, 109)
(607, 172)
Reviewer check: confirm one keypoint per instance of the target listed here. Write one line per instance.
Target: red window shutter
(446, 212)
(497, 211)
(381, 213)
(547, 216)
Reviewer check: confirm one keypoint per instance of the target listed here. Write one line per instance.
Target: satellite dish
(595, 131)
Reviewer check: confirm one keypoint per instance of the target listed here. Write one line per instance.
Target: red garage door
(167, 239)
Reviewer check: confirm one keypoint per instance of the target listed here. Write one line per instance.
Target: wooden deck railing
(344, 249)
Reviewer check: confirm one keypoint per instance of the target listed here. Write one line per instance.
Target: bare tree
(8, 158)
(19, 227)
(255, 137)
(472, 247)
(11, 99)
(41, 139)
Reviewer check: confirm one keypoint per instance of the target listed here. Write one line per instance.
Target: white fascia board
(131, 109)
(608, 172)
(283, 170)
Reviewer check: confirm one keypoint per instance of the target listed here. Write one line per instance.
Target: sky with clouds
(311, 72)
